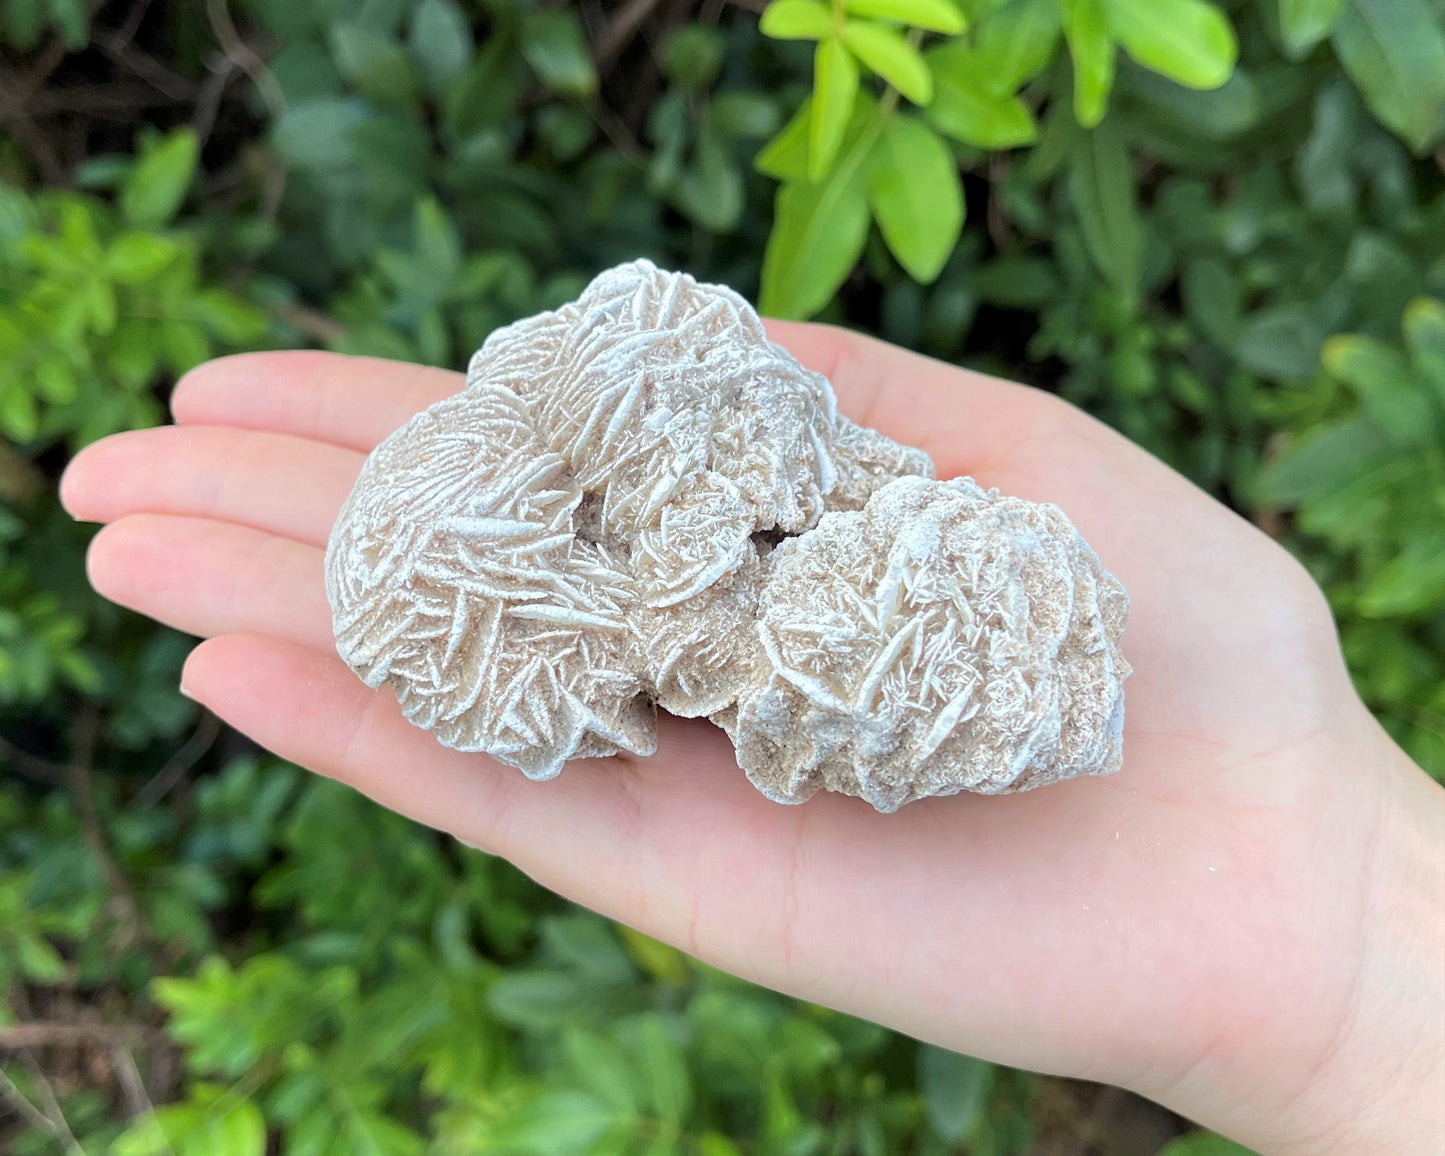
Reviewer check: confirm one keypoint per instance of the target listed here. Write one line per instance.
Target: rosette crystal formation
(639, 501)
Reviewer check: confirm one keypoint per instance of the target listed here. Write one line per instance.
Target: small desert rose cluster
(639, 501)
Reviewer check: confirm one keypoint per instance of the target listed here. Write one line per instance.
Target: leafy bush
(1162, 210)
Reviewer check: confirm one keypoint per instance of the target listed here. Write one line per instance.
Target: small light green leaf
(601, 1068)
(785, 157)
(967, 110)
(955, 1090)
(1386, 386)
(1394, 51)
(664, 1070)
(1409, 583)
(136, 257)
(890, 56)
(1101, 186)
(932, 15)
(796, 20)
(1425, 335)
(818, 235)
(553, 1122)
(1091, 45)
(154, 189)
(1016, 43)
(1189, 41)
(1304, 23)
(555, 47)
(916, 196)
(835, 87)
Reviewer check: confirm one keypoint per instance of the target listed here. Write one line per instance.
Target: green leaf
(1101, 186)
(692, 56)
(1425, 335)
(1394, 51)
(1386, 386)
(818, 235)
(1016, 43)
(1091, 45)
(745, 115)
(1304, 23)
(154, 189)
(441, 42)
(955, 1091)
(931, 15)
(555, 47)
(601, 1068)
(1411, 582)
(137, 257)
(835, 88)
(664, 1070)
(890, 56)
(1189, 41)
(785, 157)
(796, 20)
(916, 196)
(553, 1122)
(1204, 1144)
(373, 63)
(967, 110)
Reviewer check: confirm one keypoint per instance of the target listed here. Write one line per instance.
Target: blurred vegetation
(1219, 227)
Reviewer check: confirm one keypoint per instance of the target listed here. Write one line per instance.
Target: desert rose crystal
(639, 501)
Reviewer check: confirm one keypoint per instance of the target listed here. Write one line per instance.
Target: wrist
(1380, 1086)
(1336, 1045)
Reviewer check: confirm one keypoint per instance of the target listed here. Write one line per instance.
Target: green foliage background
(1220, 228)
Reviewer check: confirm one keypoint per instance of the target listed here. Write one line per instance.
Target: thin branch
(33, 766)
(311, 322)
(132, 1087)
(615, 37)
(144, 65)
(247, 60)
(81, 778)
(43, 1033)
(54, 1115)
(164, 780)
(28, 1111)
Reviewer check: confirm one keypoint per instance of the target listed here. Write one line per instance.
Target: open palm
(1178, 927)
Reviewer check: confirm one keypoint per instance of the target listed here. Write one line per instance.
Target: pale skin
(1245, 923)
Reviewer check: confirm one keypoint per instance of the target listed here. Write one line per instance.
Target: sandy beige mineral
(639, 500)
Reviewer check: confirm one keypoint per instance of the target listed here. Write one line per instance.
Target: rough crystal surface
(639, 500)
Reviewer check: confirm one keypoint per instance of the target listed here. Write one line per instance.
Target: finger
(274, 482)
(206, 577)
(351, 402)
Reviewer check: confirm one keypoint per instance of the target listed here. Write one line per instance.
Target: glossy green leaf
(663, 1067)
(1091, 46)
(1425, 335)
(1016, 43)
(967, 110)
(818, 235)
(1189, 41)
(1388, 387)
(890, 56)
(835, 87)
(796, 20)
(556, 48)
(931, 15)
(441, 42)
(915, 194)
(785, 157)
(955, 1090)
(1394, 51)
(1304, 23)
(156, 186)
(1101, 187)
(375, 64)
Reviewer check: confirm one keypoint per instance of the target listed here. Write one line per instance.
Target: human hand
(1240, 924)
